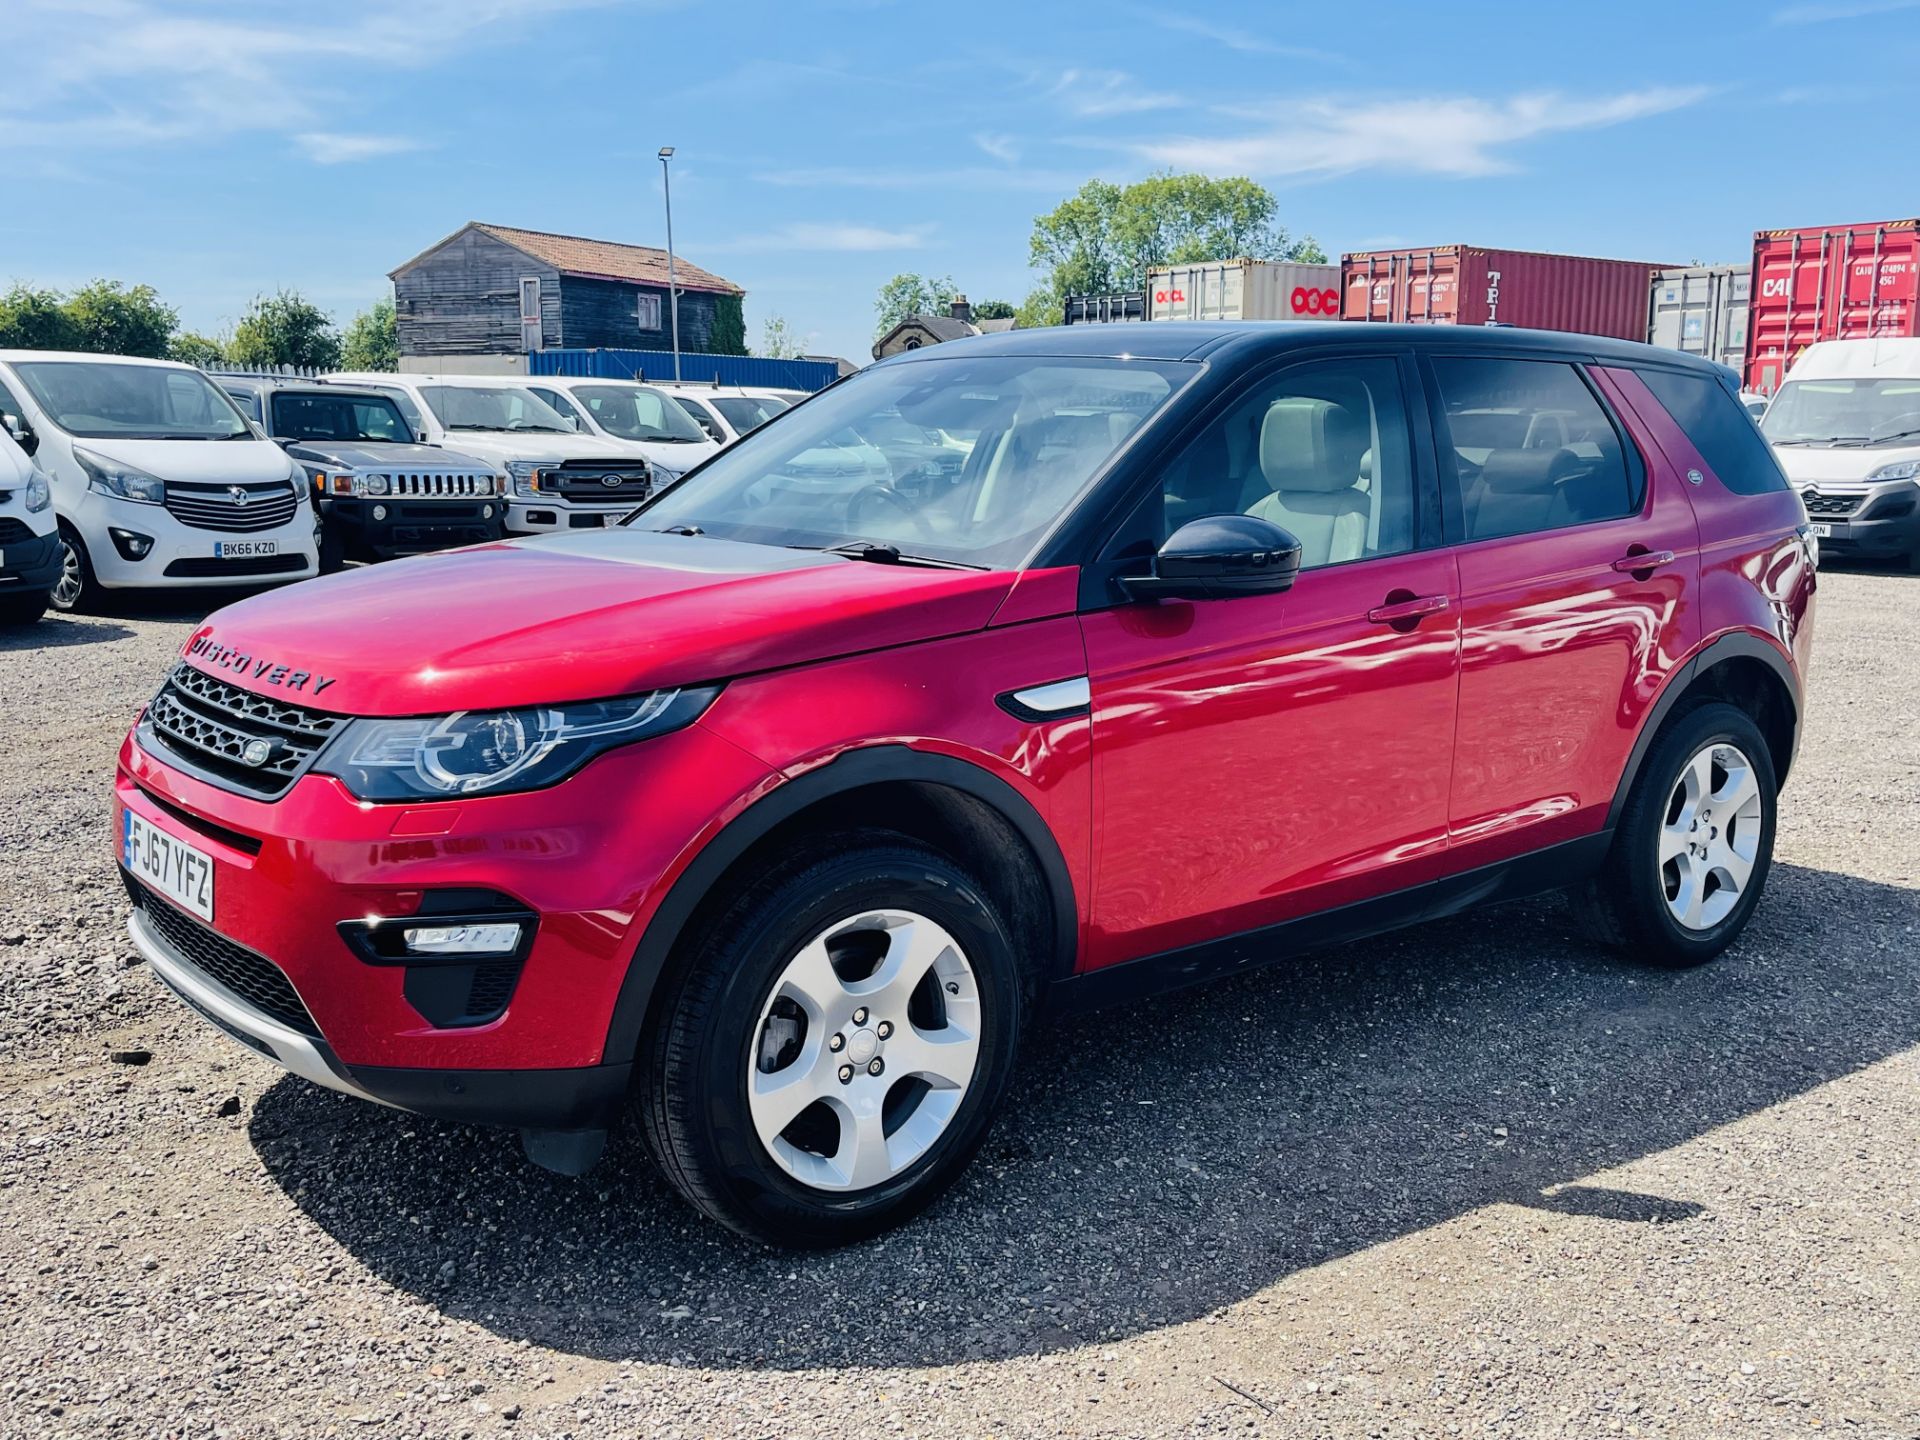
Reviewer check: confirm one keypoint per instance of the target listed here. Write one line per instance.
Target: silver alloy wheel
(66, 590)
(1710, 836)
(864, 1050)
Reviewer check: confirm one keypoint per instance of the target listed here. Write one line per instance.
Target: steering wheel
(888, 498)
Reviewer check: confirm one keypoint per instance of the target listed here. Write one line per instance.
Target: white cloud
(1095, 94)
(1000, 147)
(1460, 136)
(328, 148)
(964, 177)
(829, 235)
(1246, 42)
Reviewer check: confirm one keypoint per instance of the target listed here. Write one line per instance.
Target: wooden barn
(495, 290)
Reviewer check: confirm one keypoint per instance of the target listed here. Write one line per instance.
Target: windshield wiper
(1841, 440)
(681, 530)
(1896, 435)
(476, 427)
(876, 553)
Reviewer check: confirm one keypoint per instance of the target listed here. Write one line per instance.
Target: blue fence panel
(754, 370)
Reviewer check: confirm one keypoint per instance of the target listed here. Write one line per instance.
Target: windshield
(1844, 412)
(301, 416)
(1022, 436)
(487, 407)
(100, 400)
(748, 412)
(635, 413)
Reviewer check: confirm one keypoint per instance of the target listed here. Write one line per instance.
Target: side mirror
(22, 433)
(1219, 557)
(421, 436)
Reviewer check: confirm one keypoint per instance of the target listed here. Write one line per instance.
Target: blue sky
(217, 150)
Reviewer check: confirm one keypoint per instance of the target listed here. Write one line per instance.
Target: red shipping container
(1468, 285)
(1831, 282)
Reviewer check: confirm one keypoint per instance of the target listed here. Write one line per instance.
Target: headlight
(128, 482)
(370, 485)
(39, 493)
(520, 475)
(494, 751)
(1899, 470)
(665, 479)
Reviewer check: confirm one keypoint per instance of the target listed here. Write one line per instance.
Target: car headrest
(1508, 471)
(1311, 443)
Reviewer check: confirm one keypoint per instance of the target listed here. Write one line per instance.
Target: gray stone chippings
(1477, 1179)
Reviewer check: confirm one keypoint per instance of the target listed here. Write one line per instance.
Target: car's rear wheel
(832, 1058)
(76, 588)
(1694, 844)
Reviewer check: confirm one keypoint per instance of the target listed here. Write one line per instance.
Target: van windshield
(487, 407)
(633, 413)
(1001, 447)
(1844, 412)
(103, 400)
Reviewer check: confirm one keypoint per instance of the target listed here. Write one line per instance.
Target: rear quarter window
(1720, 429)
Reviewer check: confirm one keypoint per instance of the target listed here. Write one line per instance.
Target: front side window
(1845, 413)
(300, 416)
(635, 413)
(101, 400)
(1322, 450)
(491, 407)
(748, 412)
(1029, 435)
(1531, 447)
(702, 417)
(562, 406)
(1720, 429)
(248, 402)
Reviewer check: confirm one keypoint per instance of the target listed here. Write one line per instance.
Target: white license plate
(244, 549)
(176, 869)
(1820, 531)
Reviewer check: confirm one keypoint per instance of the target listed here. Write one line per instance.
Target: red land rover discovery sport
(771, 816)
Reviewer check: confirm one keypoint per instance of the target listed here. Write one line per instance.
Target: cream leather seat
(1311, 453)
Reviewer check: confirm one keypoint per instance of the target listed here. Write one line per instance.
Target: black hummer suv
(377, 491)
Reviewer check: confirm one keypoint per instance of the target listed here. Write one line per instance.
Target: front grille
(412, 486)
(209, 567)
(239, 508)
(14, 531)
(1818, 504)
(210, 725)
(254, 978)
(586, 481)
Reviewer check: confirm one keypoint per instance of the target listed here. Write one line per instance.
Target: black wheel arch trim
(1738, 646)
(871, 765)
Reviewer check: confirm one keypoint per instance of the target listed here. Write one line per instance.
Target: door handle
(1403, 610)
(1648, 560)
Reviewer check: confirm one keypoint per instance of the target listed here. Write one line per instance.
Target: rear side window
(1531, 446)
(1720, 429)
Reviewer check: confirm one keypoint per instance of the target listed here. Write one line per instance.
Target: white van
(625, 410)
(29, 547)
(158, 480)
(557, 478)
(726, 412)
(1846, 428)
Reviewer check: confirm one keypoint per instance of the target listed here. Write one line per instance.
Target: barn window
(649, 306)
(531, 337)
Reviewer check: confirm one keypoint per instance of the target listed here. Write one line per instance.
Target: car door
(1266, 756)
(1578, 557)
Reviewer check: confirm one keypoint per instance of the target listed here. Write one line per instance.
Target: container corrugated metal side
(1830, 282)
(758, 371)
(1471, 285)
(1107, 308)
(1244, 290)
(1702, 310)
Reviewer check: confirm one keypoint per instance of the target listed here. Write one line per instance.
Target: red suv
(771, 818)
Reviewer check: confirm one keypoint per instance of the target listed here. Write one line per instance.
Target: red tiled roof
(602, 259)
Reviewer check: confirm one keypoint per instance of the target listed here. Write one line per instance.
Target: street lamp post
(673, 291)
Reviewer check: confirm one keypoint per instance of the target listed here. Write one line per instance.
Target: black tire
(21, 610)
(76, 590)
(692, 1103)
(1625, 906)
(332, 548)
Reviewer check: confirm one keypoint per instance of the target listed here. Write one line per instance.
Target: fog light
(486, 512)
(494, 939)
(130, 543)
(379, 512)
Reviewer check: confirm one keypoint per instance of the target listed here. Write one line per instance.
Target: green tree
(191, 349)
(111, 319)
(1043, 306)
(994, 310)
(285, 329)
(33, 319)
(907, 295)
(779, 340)
(729, 334)
(372, 341)
(1107, 237)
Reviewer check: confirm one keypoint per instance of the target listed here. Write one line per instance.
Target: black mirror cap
(1218, 557)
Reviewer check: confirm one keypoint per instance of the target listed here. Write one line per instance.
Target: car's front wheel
(832, 1057)
(1694, 844)
(75, 588)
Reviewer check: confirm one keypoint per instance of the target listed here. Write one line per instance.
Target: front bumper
(30, 566)
(550, 517)
(1878, 522)
(186, 555)
(411, 527)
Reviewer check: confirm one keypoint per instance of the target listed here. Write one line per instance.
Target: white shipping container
(1702, 310)
(1244, 290)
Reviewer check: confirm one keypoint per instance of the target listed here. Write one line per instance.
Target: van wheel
(1694, 844)
(76, 588)
(332, 549)
(833, 1057)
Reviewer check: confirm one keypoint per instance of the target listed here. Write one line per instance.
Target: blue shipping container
(754, 370)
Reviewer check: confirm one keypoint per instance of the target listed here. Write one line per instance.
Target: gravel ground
(1474, 1180)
